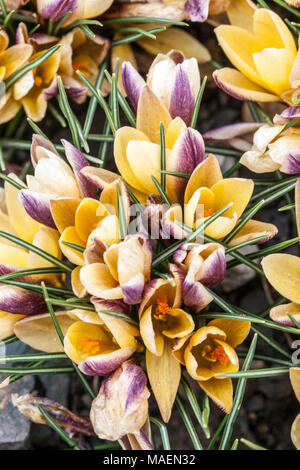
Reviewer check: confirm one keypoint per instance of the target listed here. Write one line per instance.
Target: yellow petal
(7, 323)
(164, 374)
(109, 197)
(202, 199)
(180, 324)
(121, 331)
(295, 381)
(176, 38)
(4, 40)
(241, 13)
(236, 190)
(150, 113)
(253, 229)
(283, 273)
(9, 110)
(46, 239)
(94, 8)
(236, 330)
(280, 313)
(204, 176)
(153, 340)
(77, 286)
(272, 30)
(63, 211)
(176, 127)
(70, 235)
(144, 168)
(88, 214)
(239, 45)
(14, 57)
(122, 138)
(23, 224)
(295, 432)
(109, 230)
(240, 87)
(99, 176)
(268, 62)
(38, 331)
(220, 227)
(83, 340)
(35, 104)
(220, 391)
(98, 281)
(13, 255)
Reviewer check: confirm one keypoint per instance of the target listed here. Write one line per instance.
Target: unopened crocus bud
(121, 406)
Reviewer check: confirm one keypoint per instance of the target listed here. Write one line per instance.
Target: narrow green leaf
(198, 103)
(163, 432)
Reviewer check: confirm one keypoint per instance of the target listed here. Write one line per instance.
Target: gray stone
(14, 427)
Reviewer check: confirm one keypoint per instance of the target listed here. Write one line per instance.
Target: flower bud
(121, 406)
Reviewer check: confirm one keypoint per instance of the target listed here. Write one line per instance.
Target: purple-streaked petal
(133, 83)
(214, 268)
(195, 295)
(139, 441)
(102, 304)
(37, 205)
(187, 152)
(136, 381)
(290, 113)
(77, 162)
(279, 314)
(51, 90)
(197, 9)
(133, 289)
(170, 229)
(291, 164)
(182, 100)
(20, 301)
(104, 364)
(224, 133)
(55, 9)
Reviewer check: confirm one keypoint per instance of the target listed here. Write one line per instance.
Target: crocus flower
(209, 352)
(80, 52)
(275, 147)
(161, 322)
(295, 429)
(206, 193)
(202, 266)
(174, 80)
(258, 43)
(121, 406)
(54, 179)
(97, 349)
(238, 135)
(91, 218)
(119, 271)
(81, 9)
(14, 301)
(11, 59)
(184, 149)
(38, 331)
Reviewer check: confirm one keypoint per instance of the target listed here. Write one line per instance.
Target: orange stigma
(92, 346)
(208, 212)
(162, 308)
(218, 354)
(82, 66)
